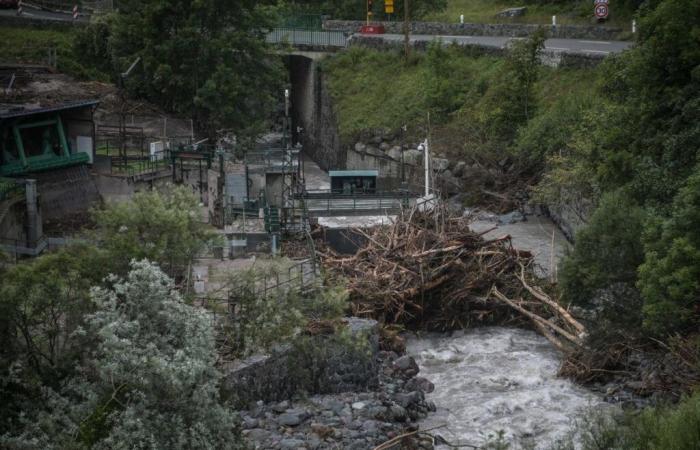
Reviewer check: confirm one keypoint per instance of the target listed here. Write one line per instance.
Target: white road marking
(596, 42)
(556, 48)
(594, 51)
(456, 37)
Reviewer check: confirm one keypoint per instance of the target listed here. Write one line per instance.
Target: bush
(163, 227)
(262, 319)
(670, 276)
(150, 382)
(608, 250)
(661, 428)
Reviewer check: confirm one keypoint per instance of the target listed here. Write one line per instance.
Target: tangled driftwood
(430, 270)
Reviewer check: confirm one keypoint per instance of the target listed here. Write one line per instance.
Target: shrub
(163, 227)
(608, 250)
(150, 382)
(670, 276)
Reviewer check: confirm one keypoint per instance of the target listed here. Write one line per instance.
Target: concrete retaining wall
(547, 57)
(332, 366)
(483, 29)
(313, 112)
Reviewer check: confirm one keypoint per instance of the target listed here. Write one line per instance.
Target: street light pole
(426, 163)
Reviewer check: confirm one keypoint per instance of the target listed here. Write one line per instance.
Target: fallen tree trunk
(429, 270)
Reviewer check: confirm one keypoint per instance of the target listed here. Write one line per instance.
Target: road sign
(75, 12)
(389, 6)
(598, 2)
(601, 11)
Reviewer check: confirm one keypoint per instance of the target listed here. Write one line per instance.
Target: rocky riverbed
(352, 421)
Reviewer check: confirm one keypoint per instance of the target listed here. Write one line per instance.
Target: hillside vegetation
(31, 46)
(568, 12)
(625, 135)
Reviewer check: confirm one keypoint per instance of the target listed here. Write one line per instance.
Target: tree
(670, 276)
(654, 137)
(151, 380)
(205, 59)
(42, 304)
(163, 227)
(607, 251)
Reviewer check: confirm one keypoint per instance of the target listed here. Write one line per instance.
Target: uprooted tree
(430, 270)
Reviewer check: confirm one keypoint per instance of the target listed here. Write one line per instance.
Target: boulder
(413, 156)
(395, 152)
(459, 169)
(406, 365)
(420, 384)
(360, 147)
(440, 164)
(384, 146)
(512, 12)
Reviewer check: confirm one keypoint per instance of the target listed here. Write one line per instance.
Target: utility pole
(406, 30)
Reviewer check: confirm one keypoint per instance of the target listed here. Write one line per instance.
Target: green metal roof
(353, 173)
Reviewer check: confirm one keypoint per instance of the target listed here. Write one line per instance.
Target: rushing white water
(495, 378)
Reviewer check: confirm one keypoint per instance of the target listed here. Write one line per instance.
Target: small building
(353, 181)
(36, 139)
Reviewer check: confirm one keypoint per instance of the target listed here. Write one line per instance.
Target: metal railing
(297, 37)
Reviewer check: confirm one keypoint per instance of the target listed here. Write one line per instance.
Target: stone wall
(483, 29)
(550, 58)
(330, 366)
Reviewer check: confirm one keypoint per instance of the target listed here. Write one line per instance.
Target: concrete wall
(312, 110)
(66, 191)
(483, 29)
(547, 57)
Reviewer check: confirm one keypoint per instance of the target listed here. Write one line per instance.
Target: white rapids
(499, 379)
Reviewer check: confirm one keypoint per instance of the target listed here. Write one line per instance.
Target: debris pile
(429, 270)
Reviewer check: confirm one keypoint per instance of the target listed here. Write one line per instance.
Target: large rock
(440, 164)
(512, 12)
(395, 153)
(459, 169)
(414, 157)
(407, 366)
(360, 147)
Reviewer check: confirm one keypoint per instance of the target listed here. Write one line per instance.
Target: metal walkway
(326, 203)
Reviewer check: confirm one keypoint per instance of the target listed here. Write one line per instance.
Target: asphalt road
(561, 45)
(30, 13)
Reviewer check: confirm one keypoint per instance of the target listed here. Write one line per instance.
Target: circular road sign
(601, 10)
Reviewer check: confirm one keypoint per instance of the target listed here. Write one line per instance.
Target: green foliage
(607, 251)
(264, 317)
(31, 46)
(163, 227)
(42, 304)
(568, 12)
(150, 381)
(670, 276)
(660, 428)
(205, 59)
(357, 10)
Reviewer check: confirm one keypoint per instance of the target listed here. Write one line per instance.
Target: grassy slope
(30, 46)
(575, 12)
(378, 90)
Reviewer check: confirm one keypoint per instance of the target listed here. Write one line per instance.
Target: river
(503, 379)
(495, 378)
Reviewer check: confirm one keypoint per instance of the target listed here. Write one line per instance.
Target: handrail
(297, 36)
